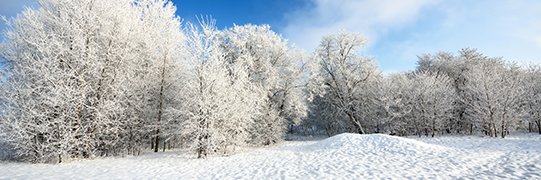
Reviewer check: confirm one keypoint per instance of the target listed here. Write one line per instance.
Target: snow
(344, 156)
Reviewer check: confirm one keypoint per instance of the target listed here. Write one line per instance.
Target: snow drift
(373, 143)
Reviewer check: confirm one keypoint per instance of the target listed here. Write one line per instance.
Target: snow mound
(374, 143)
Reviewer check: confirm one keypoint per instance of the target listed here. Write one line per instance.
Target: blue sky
(397, 30)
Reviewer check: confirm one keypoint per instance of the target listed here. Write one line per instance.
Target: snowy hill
(374, 143)
(344, 156)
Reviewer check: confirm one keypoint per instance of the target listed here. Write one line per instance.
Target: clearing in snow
(344, 156)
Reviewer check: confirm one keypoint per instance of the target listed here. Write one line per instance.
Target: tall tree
(496, 93)
(223, 102)
(394, 97)
(163, 68)
(532, 97)
(434, 102)
(342, 74)
(275, 69)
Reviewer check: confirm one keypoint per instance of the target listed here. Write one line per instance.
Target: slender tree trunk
(539, 126)
(377, 123)
(495, 130)
(356, 123)
(503, 131)
(424, 120)
(201, 149)
(160, 104)
(157, 143)
(433, 127)
(426, 126)
(416, 124)
(389, 122)
(175, 141)
(152, 143)
(164, 142)
(434, 120)
(36, 146)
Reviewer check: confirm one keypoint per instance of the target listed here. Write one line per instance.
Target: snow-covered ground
(344, 156)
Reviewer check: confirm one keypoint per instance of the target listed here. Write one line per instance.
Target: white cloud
(370, 17)
(508, 28)
(399, 30)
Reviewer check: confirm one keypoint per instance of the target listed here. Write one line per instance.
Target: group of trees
(468, 93)
(84, 78)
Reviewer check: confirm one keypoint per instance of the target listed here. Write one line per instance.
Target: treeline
(91, 78)
(468, 93)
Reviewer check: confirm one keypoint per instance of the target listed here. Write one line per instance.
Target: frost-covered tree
(532, 97)
(73, 75)
(342, 76)
(433, 103)
(496, 93)
(393, 97)
(223, 103)
(414, 103)
(162, 69)
(490, 91)
(53, 93)
(328, 117)
(456, 68)
(273, 67)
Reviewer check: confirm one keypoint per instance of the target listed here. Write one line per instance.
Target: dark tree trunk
(157, 143)
(539, 126)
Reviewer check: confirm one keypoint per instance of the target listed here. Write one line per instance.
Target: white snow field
(344, 156)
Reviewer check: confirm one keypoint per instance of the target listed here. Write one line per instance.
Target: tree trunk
(152, 143)
(356, 123)
(416, 124)
(389, 123)
(160, 105)
(201, 149)
(503, 131)
(157, 143)
(539, 126)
